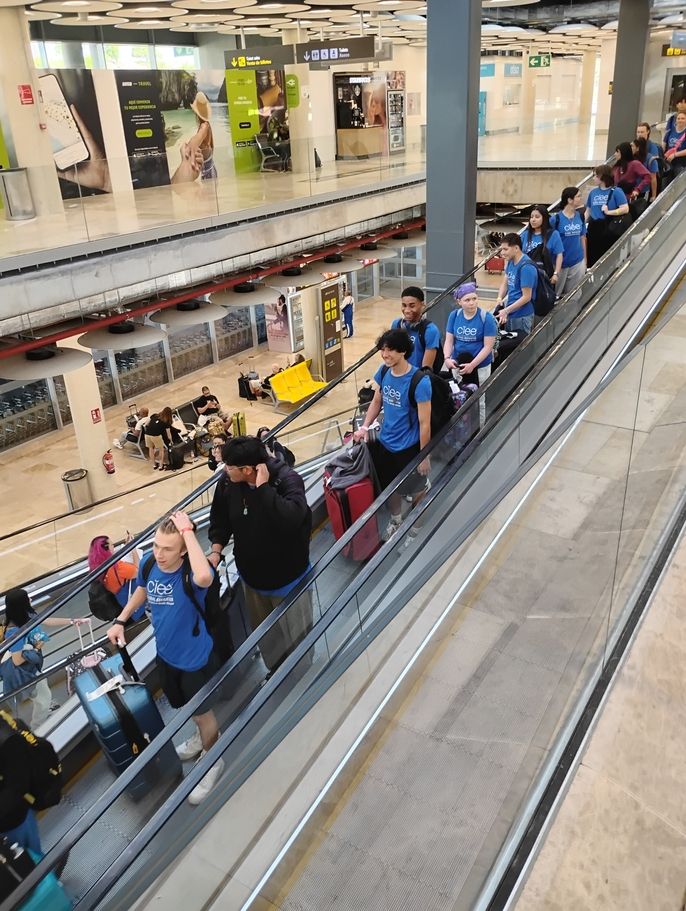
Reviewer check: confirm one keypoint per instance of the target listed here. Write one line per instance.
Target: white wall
(211, 48)
(556, 87)
(607, 69)
(655, 79)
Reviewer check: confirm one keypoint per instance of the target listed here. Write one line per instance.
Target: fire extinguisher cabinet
(77, 489)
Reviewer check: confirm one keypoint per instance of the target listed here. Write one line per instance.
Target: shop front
(370, 114)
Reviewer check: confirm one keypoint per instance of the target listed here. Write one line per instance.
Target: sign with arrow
(328, 52)
(538, 61)
(252, 58)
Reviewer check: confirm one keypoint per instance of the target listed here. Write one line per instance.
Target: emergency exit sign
(538, 61)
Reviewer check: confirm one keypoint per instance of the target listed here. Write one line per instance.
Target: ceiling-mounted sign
(513, 69)
(668, 51)
(486, 70)
(678, 39)
(330, 53)
(256, 57)
(538, 61)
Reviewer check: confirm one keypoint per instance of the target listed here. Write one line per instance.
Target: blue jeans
(347, 314)
(26, 835)
(517, 323)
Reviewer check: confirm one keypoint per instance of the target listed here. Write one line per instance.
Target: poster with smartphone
(70, 109)
(144, 130)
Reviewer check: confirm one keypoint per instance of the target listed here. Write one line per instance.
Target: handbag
(616, 225)
(85, 662)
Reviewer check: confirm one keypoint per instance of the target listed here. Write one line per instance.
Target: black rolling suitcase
(508, 342)
(176, 454)
(244, 390)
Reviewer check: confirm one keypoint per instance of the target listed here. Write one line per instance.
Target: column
(454, 40)
(588, 64)
(92, 439)
(627, 88)
(29, 145)
(527, 101)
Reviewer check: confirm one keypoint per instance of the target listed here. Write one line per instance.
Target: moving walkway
(117, 849)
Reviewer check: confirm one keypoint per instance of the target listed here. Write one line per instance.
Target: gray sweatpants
(569, 278)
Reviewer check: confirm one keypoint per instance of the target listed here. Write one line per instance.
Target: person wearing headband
(470, 336)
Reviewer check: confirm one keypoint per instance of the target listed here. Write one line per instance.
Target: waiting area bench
(293, 385)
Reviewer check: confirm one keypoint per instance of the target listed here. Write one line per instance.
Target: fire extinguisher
(108, 462)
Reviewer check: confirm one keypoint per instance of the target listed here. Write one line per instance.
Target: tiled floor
(103, 216)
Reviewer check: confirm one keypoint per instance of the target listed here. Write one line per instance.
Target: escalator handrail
(165, 811)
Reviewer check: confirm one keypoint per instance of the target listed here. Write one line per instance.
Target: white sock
(397, 519)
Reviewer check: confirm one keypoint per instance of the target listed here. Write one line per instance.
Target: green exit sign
(538, 61)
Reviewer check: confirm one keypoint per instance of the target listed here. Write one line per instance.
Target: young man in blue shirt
(425, 335)
(571, 226)
(185, 657)
(517, 288)
(406, 427)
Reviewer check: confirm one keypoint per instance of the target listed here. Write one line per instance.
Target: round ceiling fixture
(262, 294)
(77, 6)
(276, 9)
(172, 318)
(329, 4)
(104, 340)
(34, 16)
(152, 11)
(218, 18)
(52, 362)
(209, 6)
(88, 19)
(147, 24)
(373, 6)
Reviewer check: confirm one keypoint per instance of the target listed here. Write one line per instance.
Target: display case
(285, 330)
(396, 121)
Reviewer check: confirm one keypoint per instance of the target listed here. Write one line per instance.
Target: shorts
(180, 686)
(154, 442)
(389, 464)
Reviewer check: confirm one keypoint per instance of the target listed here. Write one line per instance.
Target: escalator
(487, 443)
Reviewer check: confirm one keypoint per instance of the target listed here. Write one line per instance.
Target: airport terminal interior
(438, 665)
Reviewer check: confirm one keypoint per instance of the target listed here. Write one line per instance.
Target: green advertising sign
(241, 97)
(538, 61)
(292, 91)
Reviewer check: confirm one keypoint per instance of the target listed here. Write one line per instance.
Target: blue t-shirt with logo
(553, 242)
(174, 616)
(400, 428)
(571, 230)
(522, 275)
(468, 334)
(651, 163)
(653, 149)
(432, 339)
(612, 197)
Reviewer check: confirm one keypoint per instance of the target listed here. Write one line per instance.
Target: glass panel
(25, 412)
(62, 400)
(234, 332)
(104, 375)
(190, 348)
(141, 369)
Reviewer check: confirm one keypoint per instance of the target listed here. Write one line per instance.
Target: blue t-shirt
(612, 197)
(174, 616)
(571, 230)
(651, 163)
(523, 275)
(285, 589)
(531, 240)
(29, 639)
(400, 428)
(432, 338)
(653, 149)
(468, 334)
(672, 138)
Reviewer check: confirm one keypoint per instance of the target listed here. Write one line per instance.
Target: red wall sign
(96, 417)
(25, 94)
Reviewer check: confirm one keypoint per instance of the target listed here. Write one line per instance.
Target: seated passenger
(543, 244)
(425, 335)
(135, 434)
(515, 295)
(470, 336)
(206, 405)
(406, 427)
(262, 388)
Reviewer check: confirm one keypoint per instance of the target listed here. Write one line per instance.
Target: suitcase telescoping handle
(128, 663)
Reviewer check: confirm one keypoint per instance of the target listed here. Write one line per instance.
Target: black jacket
(271, 527)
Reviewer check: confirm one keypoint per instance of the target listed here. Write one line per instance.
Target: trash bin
(16, 194)
(77, 488)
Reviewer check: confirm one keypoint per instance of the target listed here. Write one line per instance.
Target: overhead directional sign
(256, 57)
(332, 52)
(538, 61)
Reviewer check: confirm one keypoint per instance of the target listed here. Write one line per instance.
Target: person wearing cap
(470, 335)
(203, 140)
(425, 335)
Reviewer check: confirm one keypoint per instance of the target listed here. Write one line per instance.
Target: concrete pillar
(29, 144)
(627, 92)
(92, 440)
(454, 40)
(527, 101)
(588, 65)
(300, 119)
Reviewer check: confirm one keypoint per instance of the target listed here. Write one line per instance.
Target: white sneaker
(201, 790)
(117, 444)
(190, 749)
(391, 528)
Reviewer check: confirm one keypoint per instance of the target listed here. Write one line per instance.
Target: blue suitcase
(124, 719)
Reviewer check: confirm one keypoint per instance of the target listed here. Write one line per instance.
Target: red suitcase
(495, 265)
(344, 508)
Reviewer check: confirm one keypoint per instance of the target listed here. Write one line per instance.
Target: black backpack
(442, 404)
(544, 296)
(421, 331)
(541, 255)
(45, 770)
(102, 603)
(214, 614)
